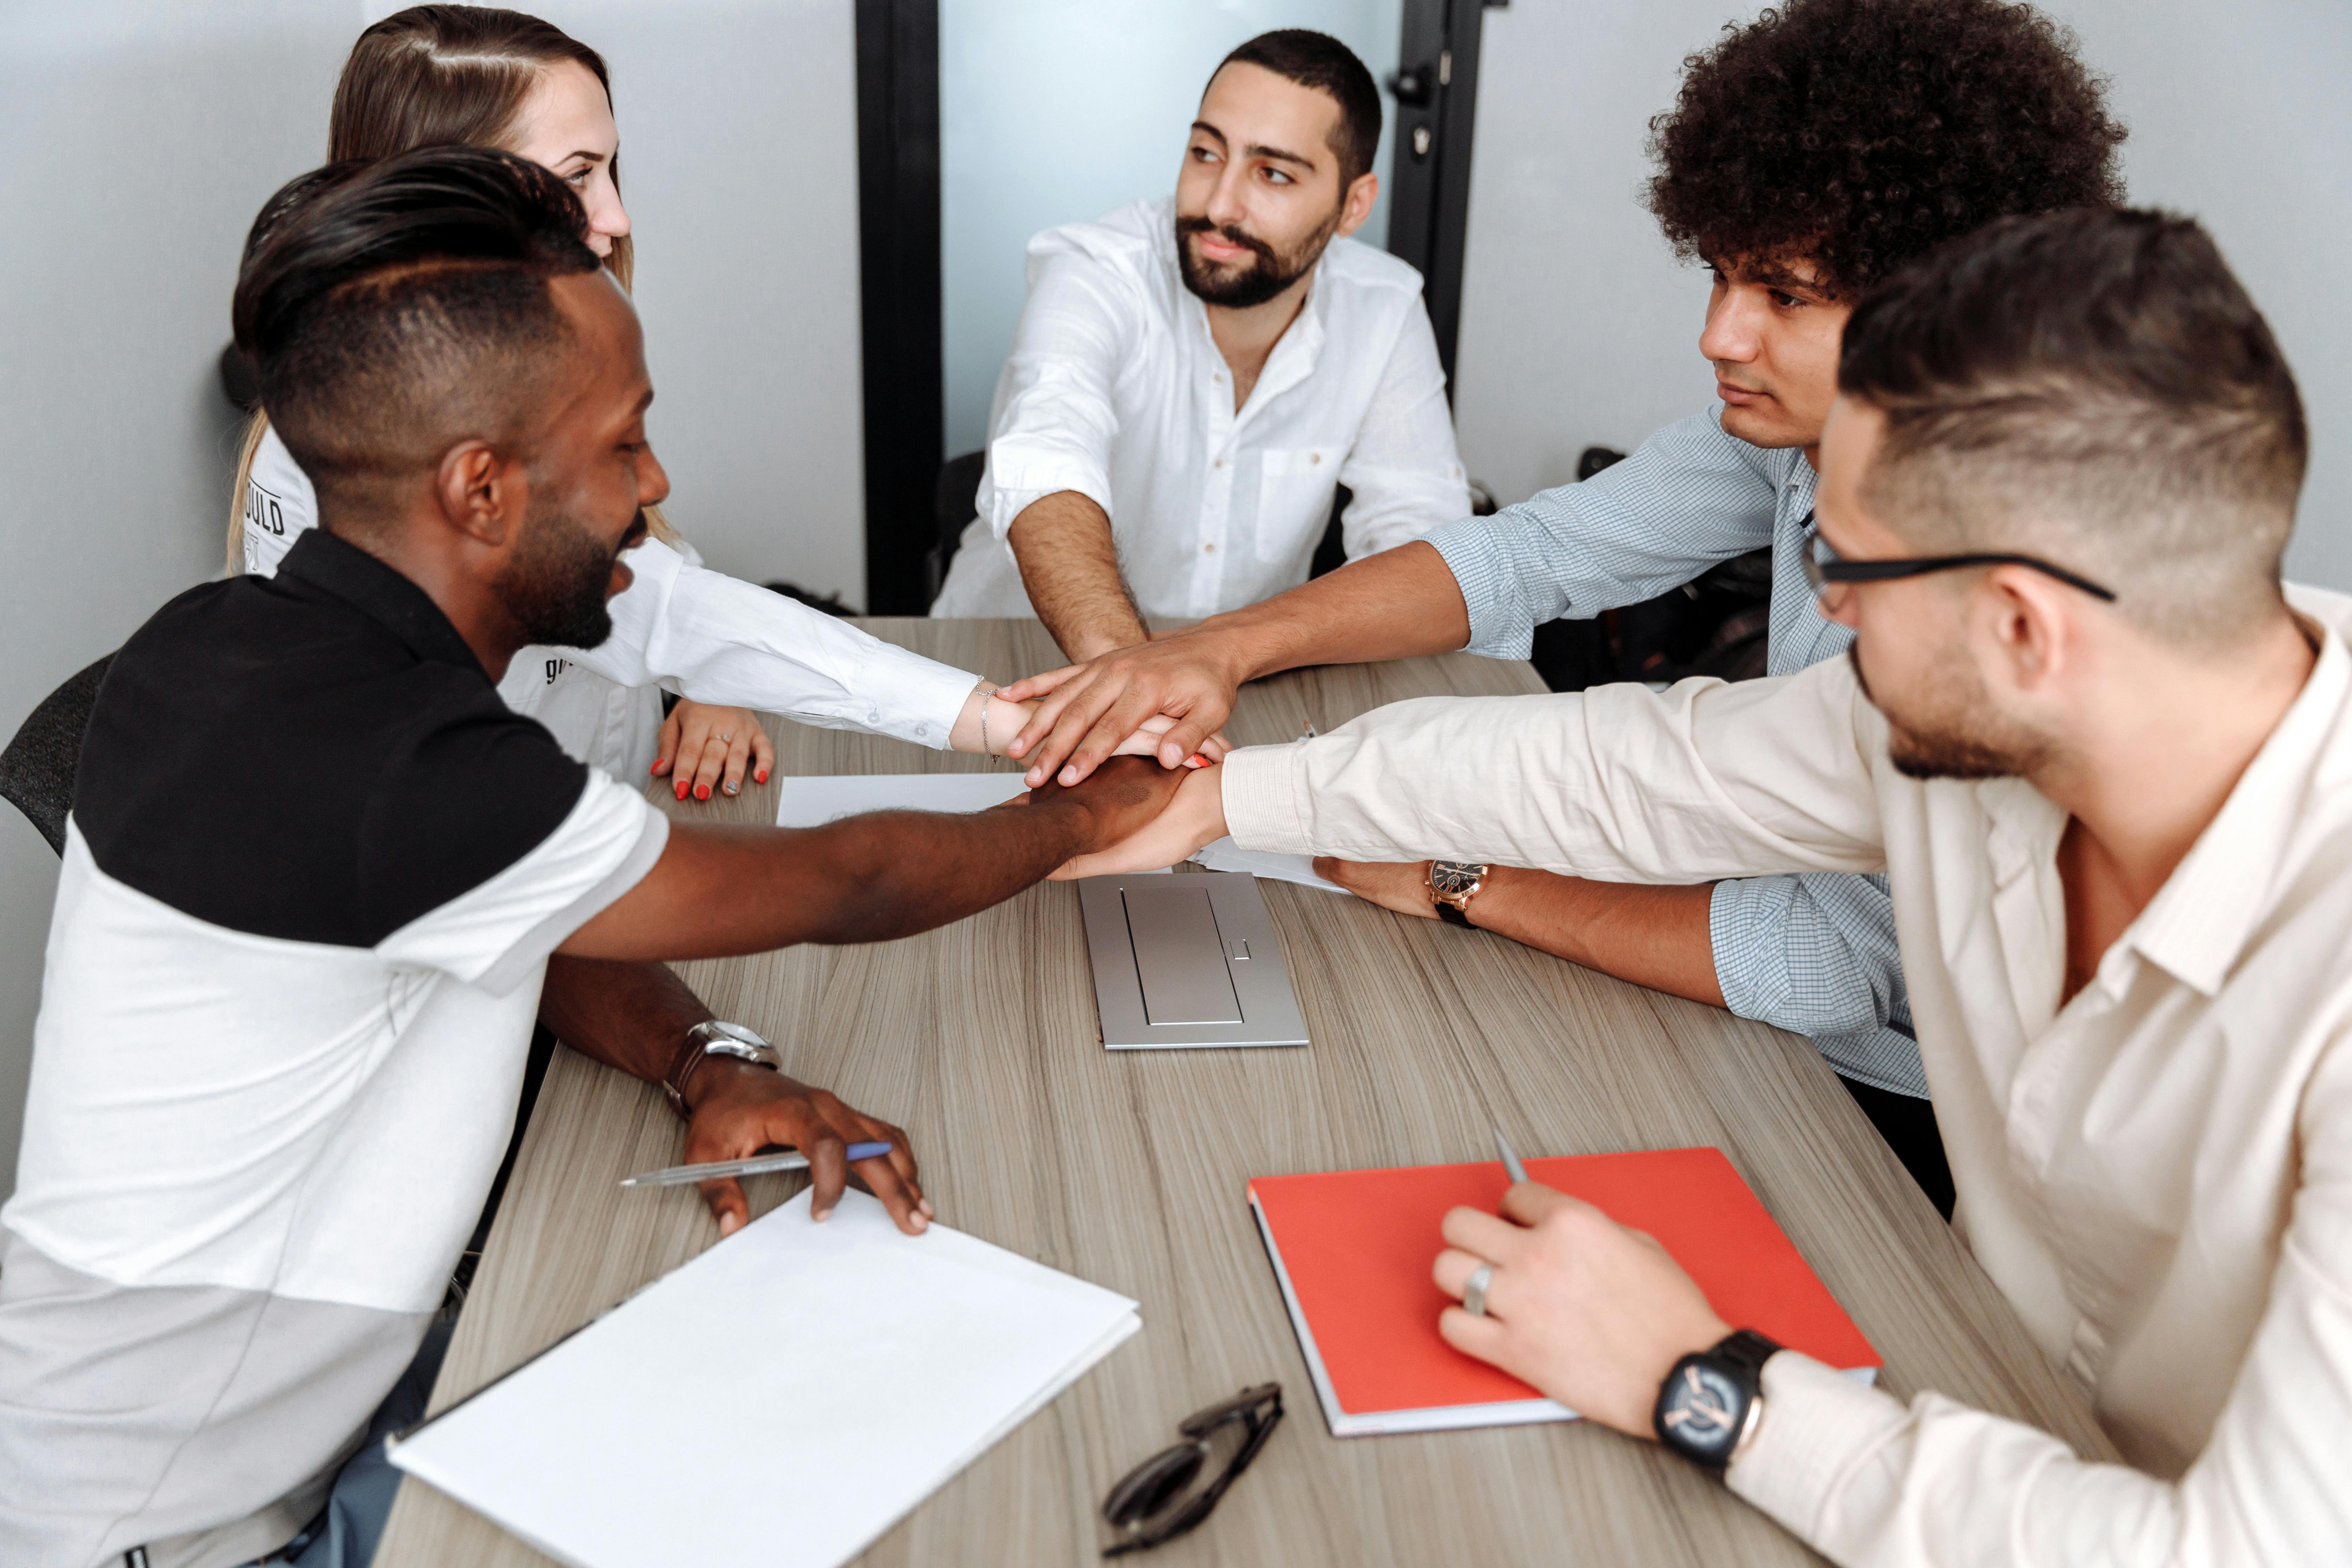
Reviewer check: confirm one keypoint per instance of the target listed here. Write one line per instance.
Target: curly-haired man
(1810, 152)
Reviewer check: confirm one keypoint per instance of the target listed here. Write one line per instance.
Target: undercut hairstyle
(1319, 61)
(1859, 134)
(395, 308)
(2096, 389)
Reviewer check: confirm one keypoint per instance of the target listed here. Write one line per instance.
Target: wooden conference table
(1127, 1169)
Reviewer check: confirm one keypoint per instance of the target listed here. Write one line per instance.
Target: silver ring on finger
(1474, 1290)
(727, 738)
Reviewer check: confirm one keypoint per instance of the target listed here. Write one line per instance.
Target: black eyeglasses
(1823, 567)
(1159, 1499)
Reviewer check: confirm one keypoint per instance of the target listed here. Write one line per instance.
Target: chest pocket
(1294, 500)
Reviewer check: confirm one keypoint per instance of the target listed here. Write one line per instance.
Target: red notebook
(1352, 1250)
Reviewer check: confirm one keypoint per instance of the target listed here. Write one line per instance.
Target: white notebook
(782, 1399)
(815, 801)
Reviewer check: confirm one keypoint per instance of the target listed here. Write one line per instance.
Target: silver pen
(1511, 1166)
(757, 1165)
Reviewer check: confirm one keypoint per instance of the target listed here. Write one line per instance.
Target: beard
(1960, 738)
(1239, 284)
(555, 583)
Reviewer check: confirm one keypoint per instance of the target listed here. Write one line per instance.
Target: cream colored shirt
(2157, 1174)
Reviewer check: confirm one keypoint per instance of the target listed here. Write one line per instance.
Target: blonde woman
(435, 75)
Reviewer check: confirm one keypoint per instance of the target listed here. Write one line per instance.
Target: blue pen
(758, 1164)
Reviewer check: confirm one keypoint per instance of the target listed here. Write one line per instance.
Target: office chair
(955, 502)
(36, 770)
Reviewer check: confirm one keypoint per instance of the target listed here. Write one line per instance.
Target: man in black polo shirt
(280, 1041)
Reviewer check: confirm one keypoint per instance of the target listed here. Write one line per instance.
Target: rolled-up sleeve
(1688, 496)
(1815, 953)
(1054, 421)
(1617, 782)
(1404, 472)
(1868, 1480)
(716, 639)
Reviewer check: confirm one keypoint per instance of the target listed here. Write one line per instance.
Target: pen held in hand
(757, 1165)
(1511, 1166)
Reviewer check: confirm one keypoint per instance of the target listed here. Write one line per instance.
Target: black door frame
(898, 245)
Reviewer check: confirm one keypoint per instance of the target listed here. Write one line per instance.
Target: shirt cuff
(1819, 1424)
(1264, 795)
(913, 698)
(1482, 569)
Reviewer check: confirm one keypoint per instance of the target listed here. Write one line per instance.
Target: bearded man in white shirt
(1192, 380)
(2107, 764)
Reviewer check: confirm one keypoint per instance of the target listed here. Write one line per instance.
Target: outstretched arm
(723, 891)
(1657, 937)
(1069, 564)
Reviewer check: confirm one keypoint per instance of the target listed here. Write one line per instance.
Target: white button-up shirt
(1116, 390)
(679, 626)
(2157, 1174)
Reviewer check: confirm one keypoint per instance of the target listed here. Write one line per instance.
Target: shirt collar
(2203, 917)
(380, 593)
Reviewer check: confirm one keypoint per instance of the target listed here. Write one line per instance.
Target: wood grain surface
(1127, 1169)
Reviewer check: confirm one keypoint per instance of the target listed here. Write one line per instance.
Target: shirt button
(1220, 462)
(1208, 549)
(922, 732)
(874, 715)
(1315, 457)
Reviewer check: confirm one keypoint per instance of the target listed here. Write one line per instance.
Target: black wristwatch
(1452, 885)
(1711, 1401)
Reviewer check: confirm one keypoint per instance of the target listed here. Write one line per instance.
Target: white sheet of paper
(782, 1399)
(814, 802)
(1224, 855)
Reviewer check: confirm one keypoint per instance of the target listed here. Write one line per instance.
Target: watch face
(1702, 1411)
(1451, 879)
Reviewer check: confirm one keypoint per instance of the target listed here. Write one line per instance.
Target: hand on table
(738, 1109)
(1592, 1314)
(1402, 886)
(1194, 816)
(1085, 711)
(706, 748)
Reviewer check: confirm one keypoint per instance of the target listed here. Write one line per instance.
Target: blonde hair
(434, 75)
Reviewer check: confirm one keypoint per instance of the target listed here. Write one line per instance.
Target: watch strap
(1451, 915)
(1749, 1351)
(690, 1053)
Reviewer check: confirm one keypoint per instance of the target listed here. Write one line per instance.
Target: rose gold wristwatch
(1452, 885)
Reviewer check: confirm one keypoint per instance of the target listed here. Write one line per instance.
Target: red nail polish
(762, 777)
(702, 792)
(681, 789)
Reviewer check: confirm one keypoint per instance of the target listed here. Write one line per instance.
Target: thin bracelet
(985, 749)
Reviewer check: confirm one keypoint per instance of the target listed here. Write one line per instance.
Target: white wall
(1579, 329)
(136, 143)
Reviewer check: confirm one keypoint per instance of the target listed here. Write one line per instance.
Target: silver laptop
(1185, 961)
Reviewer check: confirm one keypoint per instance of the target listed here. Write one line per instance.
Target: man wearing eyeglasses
(1792, 169)
(2107, 765)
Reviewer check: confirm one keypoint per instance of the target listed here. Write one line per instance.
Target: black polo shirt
(313, 873)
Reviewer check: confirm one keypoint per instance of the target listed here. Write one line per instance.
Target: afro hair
(1862, 133)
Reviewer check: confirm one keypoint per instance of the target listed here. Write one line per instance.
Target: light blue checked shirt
(1813, 953)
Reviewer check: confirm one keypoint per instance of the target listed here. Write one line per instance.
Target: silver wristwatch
(713, 1037)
